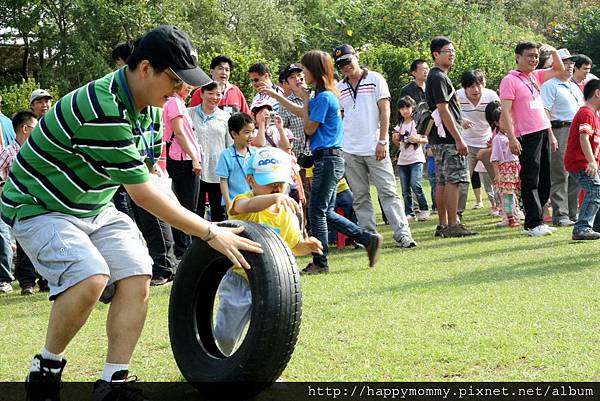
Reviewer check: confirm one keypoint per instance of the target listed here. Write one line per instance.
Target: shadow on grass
(511, 272)
(390, 250)
(16, 298)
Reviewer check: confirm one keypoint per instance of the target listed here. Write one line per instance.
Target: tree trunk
(25, 61)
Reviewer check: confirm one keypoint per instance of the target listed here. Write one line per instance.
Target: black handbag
(305, 160)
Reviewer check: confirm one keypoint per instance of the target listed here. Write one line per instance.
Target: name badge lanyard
(533, 85)
(235, 154)
(354, 91)
(150, 155)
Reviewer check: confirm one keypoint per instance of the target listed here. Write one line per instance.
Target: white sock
(111, 368)
(50, 356)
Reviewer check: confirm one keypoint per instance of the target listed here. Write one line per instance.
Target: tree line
(62, 44)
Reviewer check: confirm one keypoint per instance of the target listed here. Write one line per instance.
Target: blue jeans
(591, 203)
(411, 179)
(6, 254)
(327, 172)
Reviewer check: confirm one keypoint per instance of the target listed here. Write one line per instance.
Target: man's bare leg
(440, 202)
(71, 310)
(451, 202)
(126, 318)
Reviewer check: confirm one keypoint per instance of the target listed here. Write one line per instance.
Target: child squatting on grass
(581, 160)
(506, 166)
(269, 171)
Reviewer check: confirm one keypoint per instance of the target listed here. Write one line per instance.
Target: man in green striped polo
(57, 199)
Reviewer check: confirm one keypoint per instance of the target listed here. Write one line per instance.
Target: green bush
(393, 63)
(16, 97)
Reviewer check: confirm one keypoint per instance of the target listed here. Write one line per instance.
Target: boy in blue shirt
(230, 167)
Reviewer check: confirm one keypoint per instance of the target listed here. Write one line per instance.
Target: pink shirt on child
(528, 112)
(173, 108)
(409, 154)
(501, 150)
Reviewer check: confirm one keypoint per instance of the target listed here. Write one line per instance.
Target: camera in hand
(272, 114)
(404, 139)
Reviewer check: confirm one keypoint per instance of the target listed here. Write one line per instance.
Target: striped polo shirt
(361, 112)
(80, 152)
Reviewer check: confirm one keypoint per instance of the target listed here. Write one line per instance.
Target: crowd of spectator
(300, 158)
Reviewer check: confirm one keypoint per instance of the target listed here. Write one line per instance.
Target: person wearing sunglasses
(58, 202)
(260, 78)
(529, 129)
(365, 100)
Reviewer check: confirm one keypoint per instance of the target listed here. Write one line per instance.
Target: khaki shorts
(450, 167)
(66, 249)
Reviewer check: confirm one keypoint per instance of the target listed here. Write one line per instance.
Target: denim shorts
(450, 167)
(66, 249)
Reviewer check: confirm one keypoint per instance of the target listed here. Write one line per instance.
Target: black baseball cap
(170, 46)
(343, 52)
(291, 68)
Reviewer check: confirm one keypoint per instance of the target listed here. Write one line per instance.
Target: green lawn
(496, 307)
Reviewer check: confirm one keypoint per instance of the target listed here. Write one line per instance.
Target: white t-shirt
(361, 113)
(480, 133)
(410, 154)
(260, 97)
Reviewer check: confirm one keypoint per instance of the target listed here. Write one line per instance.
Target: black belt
(560, 124)
(319, 153)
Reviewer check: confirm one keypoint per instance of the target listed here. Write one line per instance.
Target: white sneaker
(549, 228)
(539, 231)
(410, 218)
(478, 205)
(406, 242)
(5, 288)
(424, 215)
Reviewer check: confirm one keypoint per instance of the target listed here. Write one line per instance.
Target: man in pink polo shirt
(529, 130)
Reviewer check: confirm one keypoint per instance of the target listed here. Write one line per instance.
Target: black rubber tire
(274, 324)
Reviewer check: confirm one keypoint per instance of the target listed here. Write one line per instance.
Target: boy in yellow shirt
(269, 171)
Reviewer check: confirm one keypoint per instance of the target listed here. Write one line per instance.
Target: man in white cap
(40, 102)
(58, 202)
(562, 98)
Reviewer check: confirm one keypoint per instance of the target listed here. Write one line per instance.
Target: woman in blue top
(323, 124)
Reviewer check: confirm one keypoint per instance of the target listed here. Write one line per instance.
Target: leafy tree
(15, 97)
(583, 38)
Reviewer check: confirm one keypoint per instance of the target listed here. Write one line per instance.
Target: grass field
(496, 307)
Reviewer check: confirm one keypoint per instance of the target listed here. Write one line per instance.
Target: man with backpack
(448, 146)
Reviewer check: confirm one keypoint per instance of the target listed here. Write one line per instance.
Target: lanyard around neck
(533, 84)
(236, 154)
(121, 76)
(354, 90)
